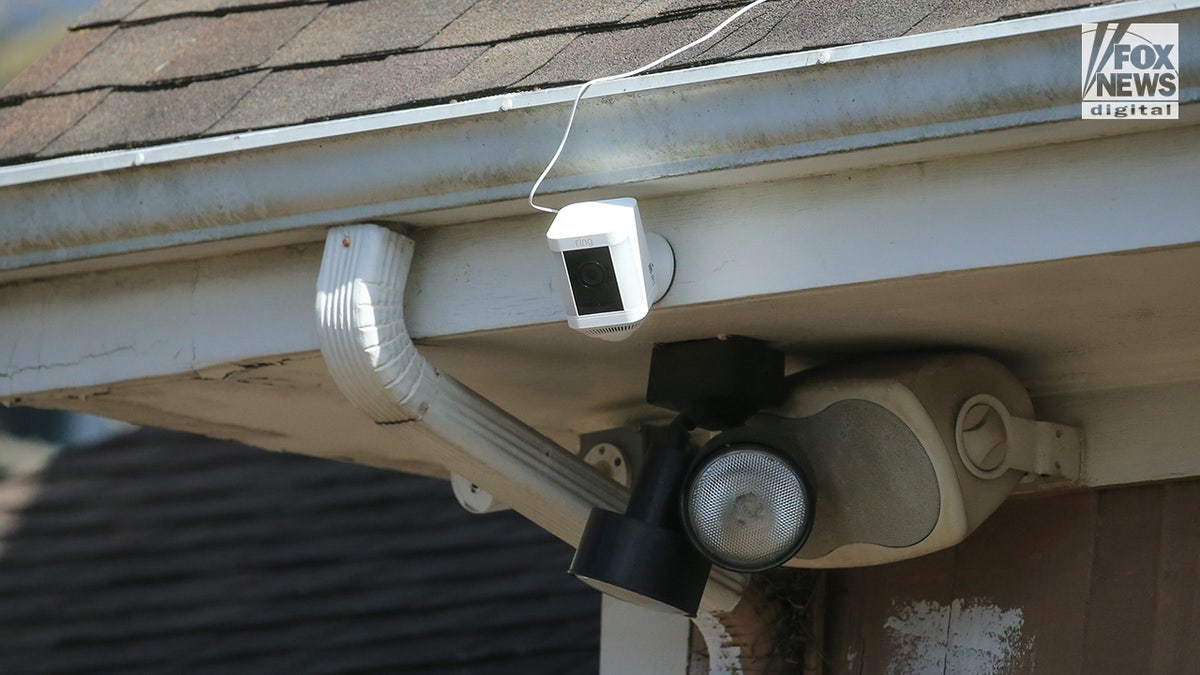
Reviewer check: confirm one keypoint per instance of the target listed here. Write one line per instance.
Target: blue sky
(19, 15)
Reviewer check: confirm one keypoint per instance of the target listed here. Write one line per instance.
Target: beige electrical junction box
(909, 454)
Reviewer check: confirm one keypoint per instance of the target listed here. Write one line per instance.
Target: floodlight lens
(747, 508)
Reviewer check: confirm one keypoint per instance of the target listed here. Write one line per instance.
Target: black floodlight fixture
(643, 557)
(747, 505)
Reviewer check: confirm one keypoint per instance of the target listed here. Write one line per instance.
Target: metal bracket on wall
(992, 441)
(616, 453)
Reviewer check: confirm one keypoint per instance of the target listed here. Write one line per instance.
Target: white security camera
(611, 270)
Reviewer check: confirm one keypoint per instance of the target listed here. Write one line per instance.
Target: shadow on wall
(156, 552)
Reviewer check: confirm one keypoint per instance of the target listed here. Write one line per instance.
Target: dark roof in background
(134, 73)
(162, 552)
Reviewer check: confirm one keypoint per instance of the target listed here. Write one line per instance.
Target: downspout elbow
(374, 362)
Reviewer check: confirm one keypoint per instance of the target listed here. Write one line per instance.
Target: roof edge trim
(77, 165)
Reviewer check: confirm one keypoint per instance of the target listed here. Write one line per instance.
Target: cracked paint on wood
(971, 636)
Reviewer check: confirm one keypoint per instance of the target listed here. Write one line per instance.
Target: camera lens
(591, 273)
(594, 282)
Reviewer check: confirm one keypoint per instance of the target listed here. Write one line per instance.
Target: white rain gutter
(295, 181)
(367, 348)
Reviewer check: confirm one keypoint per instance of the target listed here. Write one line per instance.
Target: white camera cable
(610, 78)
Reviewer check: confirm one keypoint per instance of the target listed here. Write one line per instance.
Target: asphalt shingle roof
(282, 62)
(164, 552)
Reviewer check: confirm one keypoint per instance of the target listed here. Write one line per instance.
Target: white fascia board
(1013, 75)
(751, 250)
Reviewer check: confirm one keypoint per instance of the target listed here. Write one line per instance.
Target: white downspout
(366, 346)
(365, 342)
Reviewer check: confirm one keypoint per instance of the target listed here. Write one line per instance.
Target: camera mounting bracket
(717, 383)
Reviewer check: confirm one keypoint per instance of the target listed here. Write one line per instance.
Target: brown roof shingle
(50, 68)
(507, 63)
(491, 21)
(360, 28)
(133, 55)
(160, 9)
(308, 94)
(597, 54)
(825, 25)
(107, 12)
(30, 126)
(127, 118)
(238, 42)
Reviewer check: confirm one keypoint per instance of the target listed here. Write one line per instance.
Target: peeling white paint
(917, 633)
(972, 636)
(985, 639)
(724, 656)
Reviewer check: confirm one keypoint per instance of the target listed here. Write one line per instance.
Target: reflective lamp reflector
(747, 508)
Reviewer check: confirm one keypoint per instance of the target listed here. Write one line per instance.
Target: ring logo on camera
(1130, 70)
